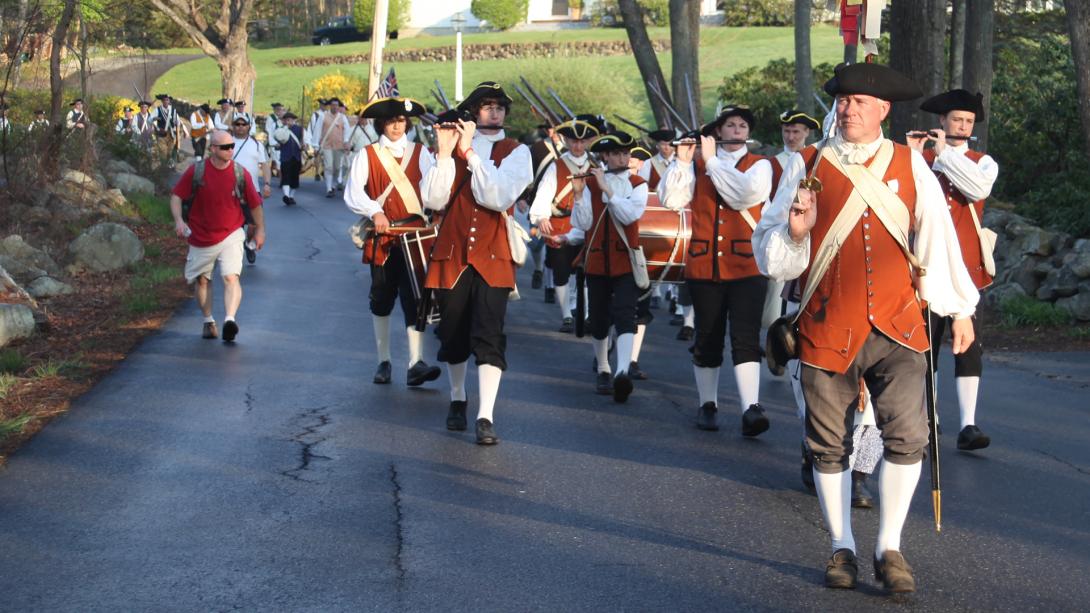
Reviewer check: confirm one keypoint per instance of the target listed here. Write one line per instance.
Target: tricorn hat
(613, 141)
(290, 115)
(577, 129)
(732, 110)
(662, 134)
(955, 100)
(224, 101)
(640, 153)
(385, 108)
(162, 96)
(872, 80)
(796, 116)
(207, 109)
(484, 90)
(144, 103)
(76, 101)
(277, 105)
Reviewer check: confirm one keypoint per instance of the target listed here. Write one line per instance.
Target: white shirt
(542, 207)
(314, 129)
(645, 168)
(250, 155)
(356, 138)
(626, 204)
(973, 179)
(355, 191)
(946, 286)
(223, 122)
(37, 124)
(739, 190)
(197, 121)
(272, 122)
(494, 188)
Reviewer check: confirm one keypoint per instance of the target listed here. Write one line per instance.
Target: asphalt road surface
(273, 475)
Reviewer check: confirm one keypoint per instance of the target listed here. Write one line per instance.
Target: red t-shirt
(215, 212)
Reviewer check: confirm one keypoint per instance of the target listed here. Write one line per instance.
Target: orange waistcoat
(607, 255)
(959, 205)
(394, 207)
(720, 248)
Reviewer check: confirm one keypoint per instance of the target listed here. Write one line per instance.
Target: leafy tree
(363, 13)
(500, 14)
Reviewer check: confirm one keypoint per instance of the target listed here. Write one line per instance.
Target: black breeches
(471, 321)
(739, 302)
(968, 364)
(389, 282)
(612, 302)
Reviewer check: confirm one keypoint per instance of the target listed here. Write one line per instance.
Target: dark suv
(341, 30)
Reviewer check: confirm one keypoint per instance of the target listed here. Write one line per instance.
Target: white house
(436, 15)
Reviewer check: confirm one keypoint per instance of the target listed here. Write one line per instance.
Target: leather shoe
(705, 417)
(421, 373)
(841, 570)
(807, 471)
(971, 437)
(550, 295)
(485, 434)
(685, 333)
(567, 326)
(635, 372)
(655, 302)
(754, 421)
(861, 496)
(622, 387)
(894, 572)
(382, 373)
(604, 384)
(535, 283)
(209, 330)
(328, 193)
(677, 320)
(456, 417)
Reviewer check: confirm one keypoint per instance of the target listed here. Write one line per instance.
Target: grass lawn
(724, 51)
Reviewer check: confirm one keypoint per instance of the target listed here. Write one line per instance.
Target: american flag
(388, 87)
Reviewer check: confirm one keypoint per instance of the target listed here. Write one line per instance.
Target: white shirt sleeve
(974, 179)
(677, 185)
(741, 190)
(582, 215)
(627, 206)
(777, 255)
(355, 192)
(542, 207)
(947, 286)
(498, 188)
(436, 184)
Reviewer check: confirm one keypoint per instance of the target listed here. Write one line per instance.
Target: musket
(580, 301)
(933, 134)
(541, 101)
(933, 425)
(546, 117)
(442, 95)
(824, 106)
(655, 89)
(139, 96)
(633, 124)
(439, 99)
(728, 141)
(564, 107)
(692, 103)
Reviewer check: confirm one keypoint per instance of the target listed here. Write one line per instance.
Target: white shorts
(201, 260)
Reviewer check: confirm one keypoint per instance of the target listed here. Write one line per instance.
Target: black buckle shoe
(971, 437)
(754, 421)
(894, 573)
(329, 193)
(635, 372)
(622, 387)
(841, 570)
(456, 417)
(861, 496)
(705, 417)
(604, 384)
(485, 434)
(382, 373)
(230, 331)
(535, 282)
(285, 199)
(677, 320)
(421, 373)
(685, 333)
(550, 295)
(567, 326)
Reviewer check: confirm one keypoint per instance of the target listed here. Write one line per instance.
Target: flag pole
(378, 41)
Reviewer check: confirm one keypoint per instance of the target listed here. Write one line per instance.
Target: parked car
(341, 30)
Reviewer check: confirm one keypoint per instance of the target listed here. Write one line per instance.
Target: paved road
(119, 76)
(272, 475)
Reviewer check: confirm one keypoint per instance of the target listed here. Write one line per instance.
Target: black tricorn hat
(955, 100)
(224, 101)
(127, 109)
(613, 141)
(144, 103)
(796, 116)
(662, 134)
(206, 108)
(577, 128)
(385, 108)
(42, 112)
(640, 153)
(162, 96)
(733, 110)
(75, 102)
(453, 115)
(290, 115)
(277, 105)
(323, 101)
(599, 122)
(872, 80)
(484, 90)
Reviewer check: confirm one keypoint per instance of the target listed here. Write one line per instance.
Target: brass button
(868, 247)
(866, 237)
(871, 317)
(907, 335)
(866, 213)
(472, 239)
(866, 226)
(720, 254)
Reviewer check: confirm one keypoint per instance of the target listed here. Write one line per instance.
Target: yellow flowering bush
(349, 89)
(118, 105)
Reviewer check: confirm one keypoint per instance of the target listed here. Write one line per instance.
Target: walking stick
(933, 425)
(580, 301)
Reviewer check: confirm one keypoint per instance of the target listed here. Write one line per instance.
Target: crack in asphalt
(399, 532)
(319, 221)
(1063, 461)
(249, 397)
(314, 420)
(314, 250)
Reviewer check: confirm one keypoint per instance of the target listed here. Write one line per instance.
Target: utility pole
(378, 41)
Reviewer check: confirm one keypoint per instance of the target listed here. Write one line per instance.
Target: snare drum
(416, 248)
(664, 236)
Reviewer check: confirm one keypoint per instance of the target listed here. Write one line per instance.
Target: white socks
(209, 320)
(457, 374)
(637, 341)
(707, 384)
(835, 495)
(562, 300)
(690, 317)
(747, 376)
(601, 352)
(896, 483)
(624, 351)
(488, 384)
(382, 337)
(286, 190)
(967, 390)
(416, 344)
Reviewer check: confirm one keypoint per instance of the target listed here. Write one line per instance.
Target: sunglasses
(227, 147)
(242, 124)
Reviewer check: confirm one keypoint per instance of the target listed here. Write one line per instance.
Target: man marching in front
(384, 186)
(861, 317)
(478, 175)
(966, 177)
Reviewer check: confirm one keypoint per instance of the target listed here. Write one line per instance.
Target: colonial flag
(388, 87)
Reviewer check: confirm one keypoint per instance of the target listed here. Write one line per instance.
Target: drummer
(724, 185)
(384, 186)
(607, 203)
(552, 209)
(653, 169)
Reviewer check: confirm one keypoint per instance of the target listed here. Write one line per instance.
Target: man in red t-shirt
(215, 230)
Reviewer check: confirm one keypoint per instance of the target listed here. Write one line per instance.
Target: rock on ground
(131, 183)
(48, 287)
(106, 246)
(16, 321)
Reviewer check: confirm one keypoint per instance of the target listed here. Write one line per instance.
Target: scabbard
(580, 301)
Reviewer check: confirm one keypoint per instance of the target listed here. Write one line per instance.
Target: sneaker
(209, 330)
(251, 254)
(230, 331)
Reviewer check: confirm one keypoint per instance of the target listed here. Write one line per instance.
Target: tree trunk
(957, 43)
(917, 37)
(1078, 27)
(685, 50)
(84, 60)
(977, 76)
(804, 72)
(56, 90)
(224, 40)
(646, 60)
(236, 73)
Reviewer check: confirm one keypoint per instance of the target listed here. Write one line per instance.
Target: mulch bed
(91, 326)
